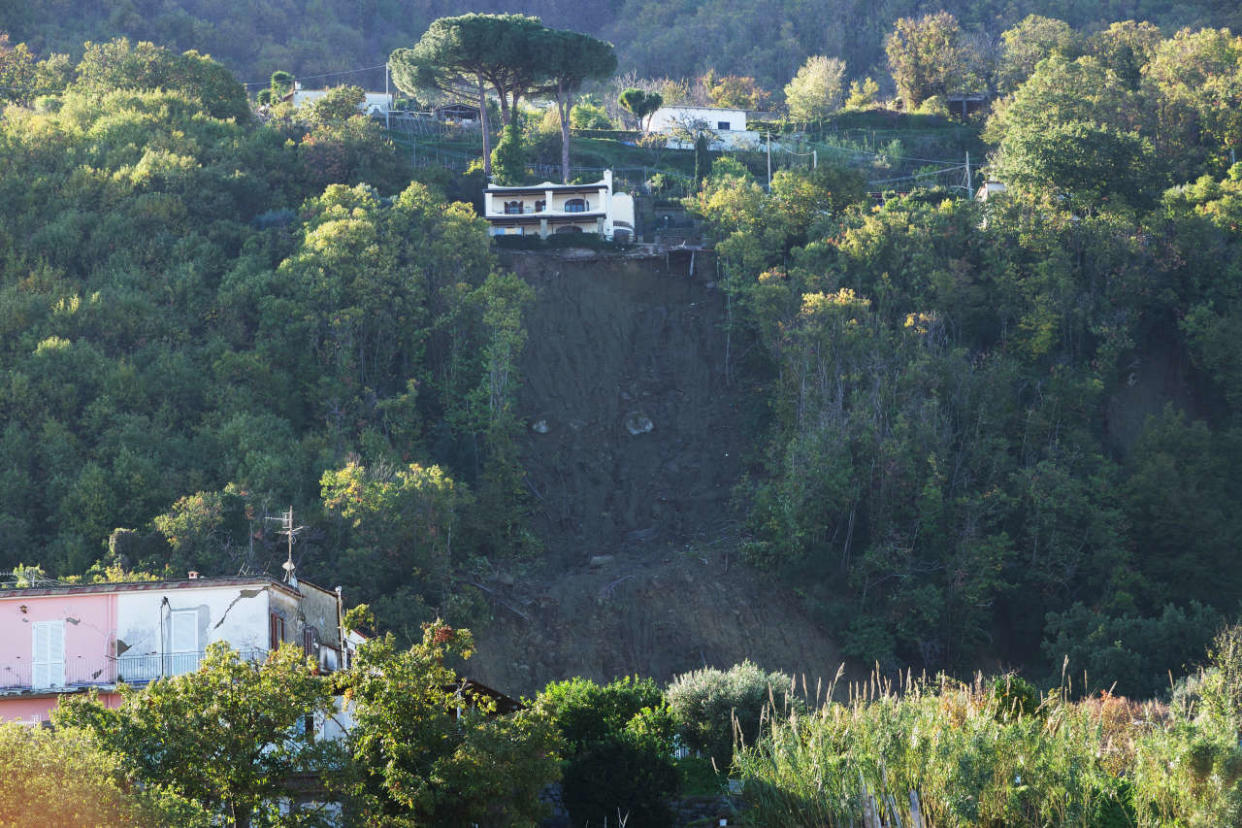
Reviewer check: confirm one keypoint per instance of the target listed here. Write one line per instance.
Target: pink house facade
(71, 638)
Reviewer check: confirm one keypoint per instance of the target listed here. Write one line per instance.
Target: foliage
(927, 56)
(203, 314)
(225, 735)
(586, 712)
(714, 709)
(618, 740)
(862, 95)
(735, 91)
(433, 754)
(64, 777)
(958, 755)
(617, 780)
(1033, 39)
(815, 92)
(570, 60)
(509, 158)
(585, 115)
(642, 105)
(338, 104)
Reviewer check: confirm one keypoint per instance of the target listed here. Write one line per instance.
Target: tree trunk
(483, 126)
(562, 104)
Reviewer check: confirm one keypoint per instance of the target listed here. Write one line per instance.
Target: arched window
(513, 208)
(569, 228)
(576, 205)
(540, 205)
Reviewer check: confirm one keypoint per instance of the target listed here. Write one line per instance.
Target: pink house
(68, 638)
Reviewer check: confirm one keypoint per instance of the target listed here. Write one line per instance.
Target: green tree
(64, 777)
(1196, 80)
(1125, 48)
(225, 735)
(281, 83)
(862, 95)
(815, 92)
(339, 104)
(1027, 43)
(734, 91)
(434, 753)
(571, 60)
(618, 745)
(403, 538)
(464, 54)
(509, 157)
(928, 57)
(709, 704)
(642, 105)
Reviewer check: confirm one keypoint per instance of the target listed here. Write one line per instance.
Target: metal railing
(19, 676)
(140, 669)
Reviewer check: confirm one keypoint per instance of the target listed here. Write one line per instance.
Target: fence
(20, 675)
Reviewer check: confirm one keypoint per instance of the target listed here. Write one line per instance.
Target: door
(183, 635)
(49, 655)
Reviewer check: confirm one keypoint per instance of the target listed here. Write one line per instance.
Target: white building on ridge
(551, 209)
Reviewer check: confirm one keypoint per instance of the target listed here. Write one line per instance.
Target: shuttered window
(184, 631)
(49, 655)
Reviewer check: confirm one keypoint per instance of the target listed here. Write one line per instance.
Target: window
(569, 228)
(541, 205)
(576, 205)
(513, 208)
(276, 628)
(723, 126)
(49, 655)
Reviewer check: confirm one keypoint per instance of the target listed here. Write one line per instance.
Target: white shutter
(185, 631)
(48, 664)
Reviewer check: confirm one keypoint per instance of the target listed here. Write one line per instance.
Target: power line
(324, 75)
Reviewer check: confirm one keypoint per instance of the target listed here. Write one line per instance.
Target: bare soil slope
(635, 442)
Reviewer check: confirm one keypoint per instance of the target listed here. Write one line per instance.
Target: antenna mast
(289, 530)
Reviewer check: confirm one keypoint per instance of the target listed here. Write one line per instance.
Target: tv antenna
(289, 530)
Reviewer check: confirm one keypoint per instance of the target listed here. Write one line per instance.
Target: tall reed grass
(933, 753)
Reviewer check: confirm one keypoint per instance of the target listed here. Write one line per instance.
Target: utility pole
(815, 159)
(387, 105)
(970, 189)
(769, 130)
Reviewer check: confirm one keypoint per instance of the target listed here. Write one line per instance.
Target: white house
(376, 103)
(727, 125)
(547, 209)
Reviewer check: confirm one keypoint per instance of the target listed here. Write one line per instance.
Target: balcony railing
(16, 677)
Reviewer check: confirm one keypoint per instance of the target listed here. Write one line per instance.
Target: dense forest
(1000, 430)
(206, 319)
(996, 431)
(654, 38)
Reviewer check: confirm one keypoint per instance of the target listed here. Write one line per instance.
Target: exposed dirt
(634, 446)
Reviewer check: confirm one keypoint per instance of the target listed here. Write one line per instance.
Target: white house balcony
(25, 676)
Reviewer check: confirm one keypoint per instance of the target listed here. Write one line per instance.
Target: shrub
(616, 777)
(706, 702)
(586, 712)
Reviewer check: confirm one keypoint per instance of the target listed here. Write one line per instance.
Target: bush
(586, 712)
(620, 778)
(1015, 697)
(589, 116)
(706, 702)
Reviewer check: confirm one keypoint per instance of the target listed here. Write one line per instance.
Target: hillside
(654, 38)
(636, 437)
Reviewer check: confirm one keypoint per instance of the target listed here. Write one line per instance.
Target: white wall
(666, 117)
(237, 614)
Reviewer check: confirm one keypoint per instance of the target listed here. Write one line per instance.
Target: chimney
(193, 574)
